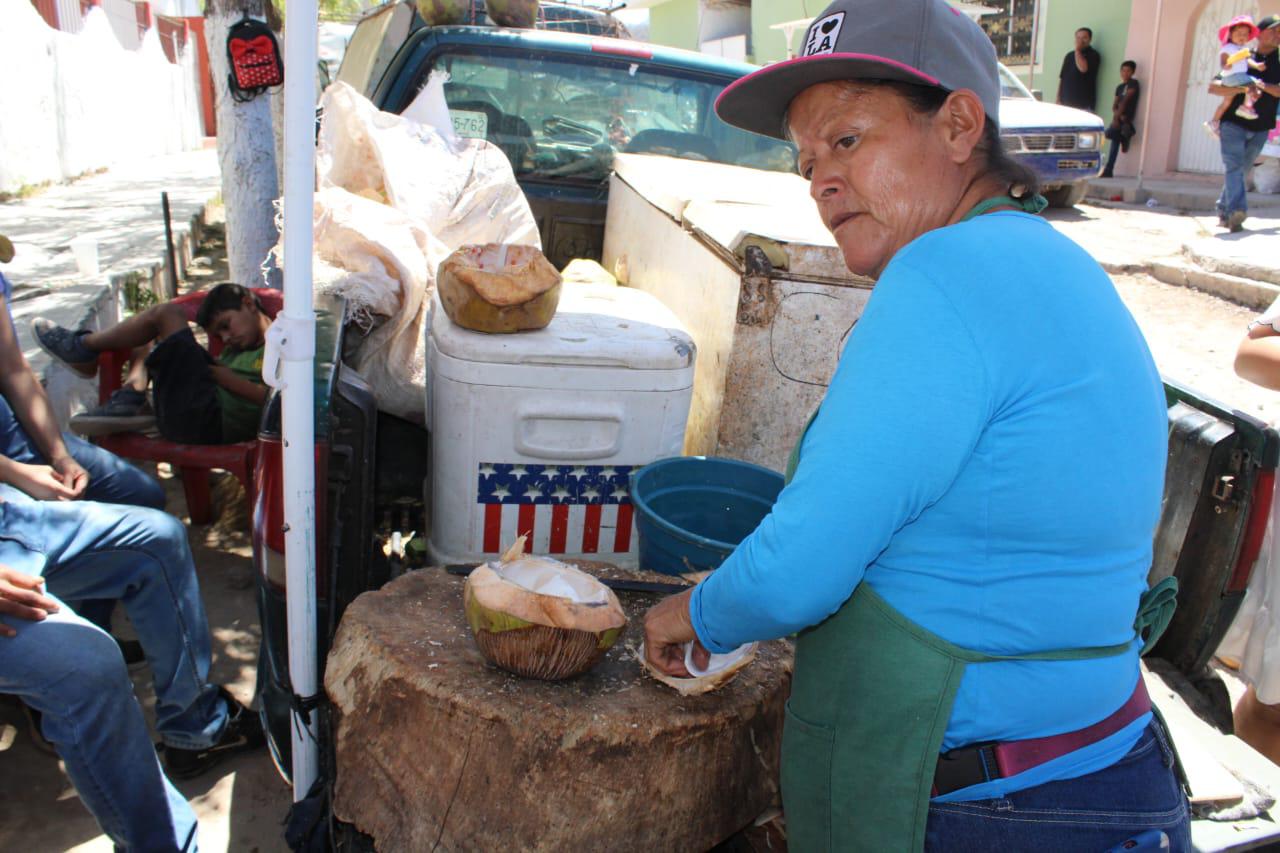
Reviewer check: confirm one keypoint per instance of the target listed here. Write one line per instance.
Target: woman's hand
(41, 482)
(21, 597)
(667, 627)
(73, 475)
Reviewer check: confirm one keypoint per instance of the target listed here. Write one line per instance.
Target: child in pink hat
(1235, 61)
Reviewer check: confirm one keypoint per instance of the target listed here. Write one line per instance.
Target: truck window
(373, 45)
(565, 119)
(1011, 86)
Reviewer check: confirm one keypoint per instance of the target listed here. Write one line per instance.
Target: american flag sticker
(564, 509)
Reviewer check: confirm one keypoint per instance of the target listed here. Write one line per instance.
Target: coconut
(719, 671)
(438, 13)
(513, 13)
(539, 617)
(497, 287)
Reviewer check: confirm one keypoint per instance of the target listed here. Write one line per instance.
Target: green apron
(870, 701)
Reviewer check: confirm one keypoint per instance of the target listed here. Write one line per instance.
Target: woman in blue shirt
(966, 534)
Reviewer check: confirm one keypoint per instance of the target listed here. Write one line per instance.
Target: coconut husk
(499, 288)
(697, 685)
(540, 635)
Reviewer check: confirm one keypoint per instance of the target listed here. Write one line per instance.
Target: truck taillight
(268, 514)
(1255, 529)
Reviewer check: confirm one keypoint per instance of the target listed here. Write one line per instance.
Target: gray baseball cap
(915, 41)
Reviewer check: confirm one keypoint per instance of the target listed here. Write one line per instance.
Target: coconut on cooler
(498, 287)
(538, 432)
(539, 617)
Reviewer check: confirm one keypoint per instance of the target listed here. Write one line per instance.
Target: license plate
(1076, 164)
(473, 125)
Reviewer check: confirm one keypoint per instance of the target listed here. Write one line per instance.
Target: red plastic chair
(195, 461)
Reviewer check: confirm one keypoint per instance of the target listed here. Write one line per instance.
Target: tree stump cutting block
(439, 750)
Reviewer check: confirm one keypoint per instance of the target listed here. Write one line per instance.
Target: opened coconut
(719, 671)
(539, 617)
(498, 287)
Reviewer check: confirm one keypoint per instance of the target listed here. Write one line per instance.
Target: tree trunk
(246, 154)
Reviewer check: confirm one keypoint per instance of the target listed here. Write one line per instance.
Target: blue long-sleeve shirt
(990, 458)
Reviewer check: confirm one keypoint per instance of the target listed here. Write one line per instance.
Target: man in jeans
(1241, 139)
(56, 547)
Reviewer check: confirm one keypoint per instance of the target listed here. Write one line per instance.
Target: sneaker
(126, 410)
(1246, 112)
(242, 732)
(66, 346)
(1235, 222)
(1211, 128)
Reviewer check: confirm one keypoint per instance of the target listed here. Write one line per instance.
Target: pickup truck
(1062, 145)
(560, 105)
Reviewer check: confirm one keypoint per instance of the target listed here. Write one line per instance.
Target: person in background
(1078, 79)
(197, 400)
(1241, 139)
(1124, 109)
(967, 661)
(1252, 644)
(1234, 66)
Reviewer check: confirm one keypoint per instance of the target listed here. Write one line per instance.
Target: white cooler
(538, 432)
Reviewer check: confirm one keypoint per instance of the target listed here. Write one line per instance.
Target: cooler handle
(585, 443)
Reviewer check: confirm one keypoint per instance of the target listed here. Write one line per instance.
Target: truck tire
(1068, 196)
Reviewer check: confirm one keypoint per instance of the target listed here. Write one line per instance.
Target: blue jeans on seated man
(1139, 793)
(1240, 148)
(71, 671)
(111, 480)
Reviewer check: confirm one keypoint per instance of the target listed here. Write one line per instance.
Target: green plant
(138, 295)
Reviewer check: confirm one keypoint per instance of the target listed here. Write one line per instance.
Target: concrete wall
(86, 102)
(675, 24)
(769, 44)
(1110, 22)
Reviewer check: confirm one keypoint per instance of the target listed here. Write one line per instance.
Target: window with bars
(1010, 28)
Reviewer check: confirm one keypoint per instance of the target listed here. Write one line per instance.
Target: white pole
(297, 356)
(1146, 109)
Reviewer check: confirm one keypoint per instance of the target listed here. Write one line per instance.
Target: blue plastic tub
(692, 511)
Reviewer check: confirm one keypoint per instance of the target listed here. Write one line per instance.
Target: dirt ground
(241, 804)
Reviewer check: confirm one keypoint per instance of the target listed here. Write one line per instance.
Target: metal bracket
(287, 339)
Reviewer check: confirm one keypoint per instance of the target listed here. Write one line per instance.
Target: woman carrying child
(1234, 63)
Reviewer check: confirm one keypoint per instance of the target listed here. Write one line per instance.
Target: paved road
(120, 208)
(1193, 335)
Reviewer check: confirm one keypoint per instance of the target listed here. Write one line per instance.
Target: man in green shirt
(197, 399)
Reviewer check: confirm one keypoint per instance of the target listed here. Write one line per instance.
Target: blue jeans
(1101, 810)
(71, 671)
(111, 480)
(1240, 148)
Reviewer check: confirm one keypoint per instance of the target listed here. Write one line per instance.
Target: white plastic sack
(397, 194)
(462, 187)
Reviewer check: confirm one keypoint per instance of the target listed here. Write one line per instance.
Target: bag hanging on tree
(253, 55)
